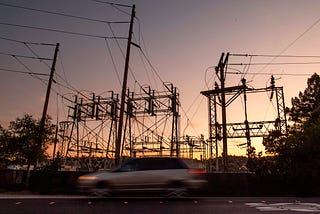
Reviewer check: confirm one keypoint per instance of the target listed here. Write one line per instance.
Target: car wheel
(102, 189)
(176, 189)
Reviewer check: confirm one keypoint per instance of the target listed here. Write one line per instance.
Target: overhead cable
(280, 74)
(22, 56)
(65, 15)
(34, 53)
(30, 71)
(23, 42)
(112, 60)
(274, 63)
(61, 31)
(22, 72)
(115, 5)
(292, 43)
(111, 3)
(278, 56)
(122, 53)
(150, 64)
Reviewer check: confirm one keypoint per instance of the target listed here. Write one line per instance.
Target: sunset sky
(182, 39)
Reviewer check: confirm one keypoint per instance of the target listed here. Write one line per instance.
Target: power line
(271, 63)
(280, 74)
(114, 5)
(246, 69)
(16, 57)
(64, 14)
(22, 72)
(185, 114)
(34, 53)
(119, 46)
(284, 50)
(22, 56)
(148, 60)
(300, 36)
(117, 42)
(122, 11)
(62, 68)
(145, 69)
(278, 56)
(23, 42)
(69, 86)
(205, 76)
(61, 31)
(111, 3)
(292, 43)
(30, 71)
(146, 53)
(112, 59)
(274, 63)
(150, 64)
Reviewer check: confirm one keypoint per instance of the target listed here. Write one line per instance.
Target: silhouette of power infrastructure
(150, 125)
(147, 123)
(221, 97)
(127, 125)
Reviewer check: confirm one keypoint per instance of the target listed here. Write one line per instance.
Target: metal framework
(127, 125)
(245, 129)
(91, 127)
(152, 122)
(151, 127)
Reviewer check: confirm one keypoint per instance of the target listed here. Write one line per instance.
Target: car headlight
(87, 178)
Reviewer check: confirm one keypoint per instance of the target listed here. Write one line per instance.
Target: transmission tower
(222, 130)
(152, 122)
(91, 127)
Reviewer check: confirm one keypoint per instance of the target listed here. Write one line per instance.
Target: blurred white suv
(169, 175)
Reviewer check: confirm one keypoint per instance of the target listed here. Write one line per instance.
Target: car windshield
(140, 164)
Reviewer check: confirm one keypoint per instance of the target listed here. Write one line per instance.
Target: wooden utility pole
(246, 122)
(222, 75)
(44, 112)
(46, 103)
(124, 90)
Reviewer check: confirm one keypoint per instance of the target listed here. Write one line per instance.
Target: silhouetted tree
(5, 146)
(298, 153)
(20, 142)
(305, 104)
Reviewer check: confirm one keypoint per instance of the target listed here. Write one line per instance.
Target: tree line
(25, 142)
(297, 153)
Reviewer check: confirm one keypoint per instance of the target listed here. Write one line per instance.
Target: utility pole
(124, 90)
(46, 103)
(222, 75)
(44, 113)
(216, 134)
(246, 122)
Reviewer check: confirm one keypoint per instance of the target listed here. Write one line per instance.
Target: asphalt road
(13, 203)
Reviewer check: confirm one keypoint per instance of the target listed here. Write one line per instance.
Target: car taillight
(197, 171)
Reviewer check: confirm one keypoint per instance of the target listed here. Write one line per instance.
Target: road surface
(14, 203)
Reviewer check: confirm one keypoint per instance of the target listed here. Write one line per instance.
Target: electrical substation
(101, 130)
(152, 124)
(221, 97)
(151, 127)
(147, 123)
